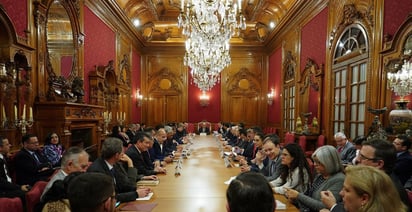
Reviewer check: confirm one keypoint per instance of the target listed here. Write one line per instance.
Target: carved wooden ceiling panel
(158, 19)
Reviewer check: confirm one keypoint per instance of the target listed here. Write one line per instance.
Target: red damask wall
(198, 113)
(136, 77)
(99, 45)
(313, 46)
(17, 11)
(275, 82)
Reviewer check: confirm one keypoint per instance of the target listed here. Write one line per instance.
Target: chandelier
(208, 26)
(401, 81)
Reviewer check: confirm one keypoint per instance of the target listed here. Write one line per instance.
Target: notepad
(280, 205)
(147, 182)
(148, 197)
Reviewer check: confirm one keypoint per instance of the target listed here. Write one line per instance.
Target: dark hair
(115, 130)
(49, 137)
(272, 138)
(26, 138)
(141, 135)
(250, 191)
(242, 131)
(384, 150)
(1, 140)
(359, 140)
(111, 146)
(299, 161)
(88, 191)
(405, 141)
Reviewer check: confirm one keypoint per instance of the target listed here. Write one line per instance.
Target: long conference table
(200, 186)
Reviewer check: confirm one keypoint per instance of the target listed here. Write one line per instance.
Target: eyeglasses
(36, 142)
(363, 157)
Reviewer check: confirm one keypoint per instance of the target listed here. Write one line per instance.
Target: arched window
(349, 81)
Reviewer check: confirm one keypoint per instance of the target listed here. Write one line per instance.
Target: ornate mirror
(59, 28)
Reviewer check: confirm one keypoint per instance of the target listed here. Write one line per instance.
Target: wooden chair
(11, 204)
(33, 196)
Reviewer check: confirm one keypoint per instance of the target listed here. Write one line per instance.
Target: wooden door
(163, 109)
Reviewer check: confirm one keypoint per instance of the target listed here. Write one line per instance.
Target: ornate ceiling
(158, 19)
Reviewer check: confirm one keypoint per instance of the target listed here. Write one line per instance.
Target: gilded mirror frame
(53, 86)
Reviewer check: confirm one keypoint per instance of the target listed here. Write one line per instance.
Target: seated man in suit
(75, 159)
(110, 163)
(345, 148)
(138, 153)
(31, 166)
(204, 128)
(86, 193)
(403, 167)
(270, 166)
(160, 151)
(7, 187)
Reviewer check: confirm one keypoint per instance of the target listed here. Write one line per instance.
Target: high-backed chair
(11, 204)
(207, 124)
(33, 196)
(289, 138)
(190, 128)
(302, 142)
(320, 142)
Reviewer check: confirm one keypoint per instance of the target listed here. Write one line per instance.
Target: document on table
(146, 197)
(230, 180)
(280, 205)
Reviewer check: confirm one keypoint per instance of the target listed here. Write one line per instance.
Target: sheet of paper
(146, 197)
(230, 180)
(280, 205)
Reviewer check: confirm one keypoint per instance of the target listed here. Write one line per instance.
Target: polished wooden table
(200, 186)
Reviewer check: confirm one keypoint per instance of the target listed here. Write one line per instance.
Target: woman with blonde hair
(369, 189)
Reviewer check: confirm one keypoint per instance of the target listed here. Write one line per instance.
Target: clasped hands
(143, 191)
(291, 194)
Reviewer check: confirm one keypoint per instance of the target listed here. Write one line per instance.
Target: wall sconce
(271, 95)
(204, 99)
(139, 98)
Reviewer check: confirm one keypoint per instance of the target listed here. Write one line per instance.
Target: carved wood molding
(163, 81)
(289, 67)
(244, 82)
(311, 76)
(352, 15)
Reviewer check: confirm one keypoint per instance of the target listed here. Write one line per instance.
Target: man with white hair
(345, 148)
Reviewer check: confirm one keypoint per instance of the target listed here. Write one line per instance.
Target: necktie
(113, 172)
(340, 149)
(271, 167)
(36, 158)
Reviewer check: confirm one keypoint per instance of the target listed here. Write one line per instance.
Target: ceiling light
(136, 22)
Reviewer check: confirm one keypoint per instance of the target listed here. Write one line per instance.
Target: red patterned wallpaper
(99, 45)
(17, 11)
(313, 45)
(198, 113)
(274, 81)
(136, 111)
(395, 14)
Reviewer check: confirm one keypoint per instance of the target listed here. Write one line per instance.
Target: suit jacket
(28, 170)
(338, 208)
(204, 130)
(272, 172)
(348, 153)
(4, 184)
(139, 161)
(125, 181)
(158, 152)
(403, 167)
(58, 176)
(334, 184)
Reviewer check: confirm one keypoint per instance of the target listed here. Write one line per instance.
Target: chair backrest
(190, 128)
(321, 141)
(33, 196)
(208, 125)
(11, 204)
(289, 138)
(302, 142)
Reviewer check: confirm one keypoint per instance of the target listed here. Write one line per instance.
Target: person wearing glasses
(75, 159)
(378, 153)
(31, 166)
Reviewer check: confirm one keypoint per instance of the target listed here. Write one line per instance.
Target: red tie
(340, 149)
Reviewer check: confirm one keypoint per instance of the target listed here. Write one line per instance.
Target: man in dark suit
(204, 128)
(160, 151)
(124, 178)
(403, 167)
(137, 151)
(7, 187)
(270, 166)
(30, 165)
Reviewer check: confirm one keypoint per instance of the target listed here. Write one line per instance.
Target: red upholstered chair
(320, 142)
(409, 192)
(11, 204)
(289, 138)
(190, 128)
(302, 142)
(33, 196)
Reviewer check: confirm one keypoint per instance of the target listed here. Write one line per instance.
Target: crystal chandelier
(208, 26)
(401, 81)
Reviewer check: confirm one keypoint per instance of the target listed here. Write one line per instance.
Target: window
(289, 107)
(349, 82)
